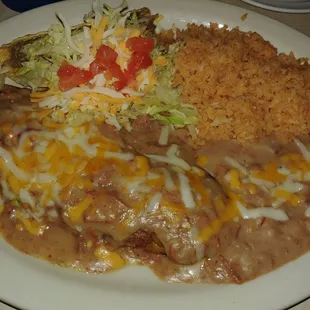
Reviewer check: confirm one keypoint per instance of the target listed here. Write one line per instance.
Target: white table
(300, 22)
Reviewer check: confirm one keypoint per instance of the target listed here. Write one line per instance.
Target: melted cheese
(153, 204)
(164, 135)
(169, 184)
(143, 166)
(76, 212)
(7, 157)
(303, 149)
(270, 174)
(171, 158)
(186, 192)
(112, 259)
(226, 213)
(202, 161)
(275, 214)
(26, 197)
(6, 190)
(291, 186)
(234, 164)
(234, 179)
(31, 226)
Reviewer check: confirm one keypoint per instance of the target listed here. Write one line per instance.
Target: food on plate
(252, 91)
(123, 143)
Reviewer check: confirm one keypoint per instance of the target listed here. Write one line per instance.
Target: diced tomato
(70, 76)
(96, 68)
(105, 58)
(105, 61)
(120, 84)
(138, 44)
(116, 71)
(108, 75)
(106, 55)
(137, 62)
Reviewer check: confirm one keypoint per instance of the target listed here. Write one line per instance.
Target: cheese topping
(275, 214)
(282, 179)
(164, 136)
(186, 193)
(99, 96)
(112, 259)
(47, 164)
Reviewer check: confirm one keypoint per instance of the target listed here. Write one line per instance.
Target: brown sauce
(237, 251)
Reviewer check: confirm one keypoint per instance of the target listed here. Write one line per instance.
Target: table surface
(300, 22)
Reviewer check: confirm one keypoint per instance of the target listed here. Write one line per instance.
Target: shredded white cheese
(7, 157)
(169, 184)
(233, 163)
(291, 186)
(261, 183)
(176, 161)
(164, 135)
(186, 191)
(68, 34)
(303, 149)
(120, 156)
(6, 191)
(275, 214)
(26, 197)
(153, 204)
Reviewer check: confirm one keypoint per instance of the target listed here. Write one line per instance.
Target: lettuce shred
(44, 57)
(164, 102)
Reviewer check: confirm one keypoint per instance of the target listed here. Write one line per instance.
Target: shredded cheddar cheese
(33, 227)
(75, 212)
(202, 161)
(98, 35)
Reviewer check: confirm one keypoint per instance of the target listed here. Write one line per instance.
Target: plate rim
(276, 8)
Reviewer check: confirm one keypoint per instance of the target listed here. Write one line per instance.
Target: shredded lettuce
(164, 103)
(174, 113)
(115, 14)
(44, 57)
(132, 21)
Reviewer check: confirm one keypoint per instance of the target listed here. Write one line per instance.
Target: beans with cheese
(97, 199)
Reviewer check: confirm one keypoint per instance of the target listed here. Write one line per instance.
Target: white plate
(32, 284)
(282, 6)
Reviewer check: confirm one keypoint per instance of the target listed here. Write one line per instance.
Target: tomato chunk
(137, 62)
(105, 58)
(106, 55)
(139, 44)
(120, 84)
(70, 76)
(96, 68)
